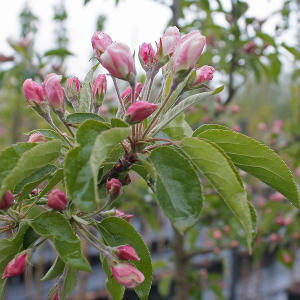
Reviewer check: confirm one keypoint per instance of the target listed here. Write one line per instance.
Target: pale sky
(132, 22)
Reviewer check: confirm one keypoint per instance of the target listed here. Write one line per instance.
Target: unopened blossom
(121, 214)
(57, 199)
(118, 60)
(36, 137)
(113, 187)
(16, 266)
(139, 111)
(188, 51)
(217, 234)
(146, 55)
(287, 258)
(169, 41)
(128, 91)
(203, 74)
(55, 296)
(7, 200)
(249, 47)
(235, 109)
(100, 41)
(236, 128)
(277, 125)
(99, 88)
(262, 126)
(73, 88)
(33, 92)
(127, 275)
(297, 172)
(276, 197)
(54, 91)
(126, 252)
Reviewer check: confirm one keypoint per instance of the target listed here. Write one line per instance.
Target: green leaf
(78, 118)
(56, 269)
(50, 134)
(115, 122)
(266, 38)
(178, 109)
(178, 187)
(292, 50)
(207, 127)
(178, 128)
(29, 183)
(30, 237)
(85, 102)
(116, 232)
(70, 282)
(58, 52)
(55, 179)
(104, 142)
(164, 285)
(78, 171)
(10, 157)
(31, 161)
(55, 226)
(256, 159)
(220, 171)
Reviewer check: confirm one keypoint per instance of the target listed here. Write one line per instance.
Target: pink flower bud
(57, 199)
(36, 137)
(217, 234)
(287, 258)
(16, 266)
(55, 296)
(121, 214)
(127, 275)
(276, 197)
(297, 172)
(261, 202)
(99, 87)
(169, 40)
(100, 41)
(33, 92)
(219, 108)
(235, 109)
(274, 237)
(277, 126)
(235, 243)
(236, 128)
(128, 91)
(249, 47)
(226, 229)
(74, 81)
(287, 221)
(53, 91)
(127, 253)
(262, 126)
(118, 60)
(280, 220)
(113, 187)
(203, 75)
(34, 192)
(7, 200)
(217, 250)
(188, 51)
(139, 111)
(103, 110)
(146, 55)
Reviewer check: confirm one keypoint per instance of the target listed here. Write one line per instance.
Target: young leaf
(256, 159)
(70, 282)
(31, 161)
(85, 92)
(220, 171)
(78, 118)
(55, 226)
(104, 142)
(29, 183)
(178, 109)
(117, 232)
(56, 269)
(10, 157)
(178, 128)
(55, 179)
(78, 171)
(178, 187)
(207, 127)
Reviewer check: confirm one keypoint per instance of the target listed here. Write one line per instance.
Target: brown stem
(175, 12)
(181, 268)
